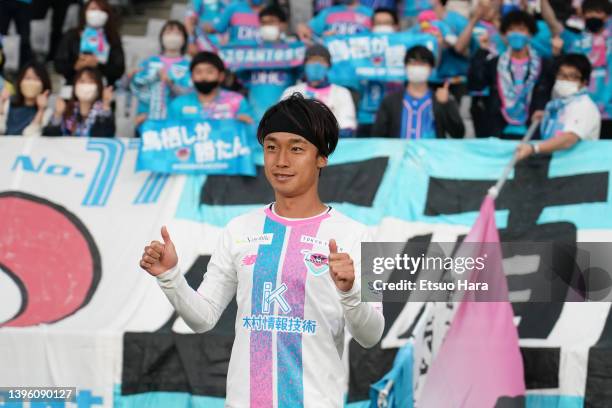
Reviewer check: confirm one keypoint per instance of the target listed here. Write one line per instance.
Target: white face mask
(269, 32)
(173, 42)
(86, 92)
(96, 18)
(417, 74)
(563, 88)
(383, 29)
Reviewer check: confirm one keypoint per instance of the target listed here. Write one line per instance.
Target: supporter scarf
(516, 97)
(550, 122)
(75, 126)
(93, 41)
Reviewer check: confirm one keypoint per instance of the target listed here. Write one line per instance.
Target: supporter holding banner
(88, 113)
(377, 57)
(240, 20)
(96, 43)
(27, 111)
(161, 78)
(594, 41)
(347, 17)
(518, 81)
(266, 82)
(572, 115)
(317, 86)
(209, 101)
(419, 112)
(201, 13)
(195, 146)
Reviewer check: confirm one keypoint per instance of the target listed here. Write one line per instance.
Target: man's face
(382, 19)
(291, 163)
(206, 72)
(569, 73)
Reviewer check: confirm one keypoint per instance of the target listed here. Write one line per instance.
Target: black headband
(279, 121)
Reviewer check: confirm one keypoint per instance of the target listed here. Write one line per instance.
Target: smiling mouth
(282, 176)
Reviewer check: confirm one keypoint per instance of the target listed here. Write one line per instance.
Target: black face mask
(206, 87)
(594, 24)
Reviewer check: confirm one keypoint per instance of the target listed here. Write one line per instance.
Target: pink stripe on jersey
(245, 19)
(295, 223)
(349, 17)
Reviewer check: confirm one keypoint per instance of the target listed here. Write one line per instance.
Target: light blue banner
(284, 55)
(373, 56)
(195, 147)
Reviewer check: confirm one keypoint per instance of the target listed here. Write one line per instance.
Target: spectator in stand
(418, 111)
(95, 44)
(209, 101)
(59, 10)
(347, 17)
(518, 81)
(241, 20)
(19, 11)
(595, 41)
(384, 21)
(572, 115)
(266, 86)
(88, 113)
(338, 99)
(199, 14)
(26, 112)
(161, 78)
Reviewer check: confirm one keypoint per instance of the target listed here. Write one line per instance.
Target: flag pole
(494, 190)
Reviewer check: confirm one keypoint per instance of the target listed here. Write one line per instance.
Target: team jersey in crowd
(411, 8)
(266, 87)
(342, 20)
(417, 117)
(598, 48)
(372, 94)
(291, 317)
(241, 21)
(227, 105)
(337, 98)
(155, 96)
(577, 114)
(206, 11)
(94, 42)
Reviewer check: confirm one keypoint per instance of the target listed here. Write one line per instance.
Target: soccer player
(294, 267)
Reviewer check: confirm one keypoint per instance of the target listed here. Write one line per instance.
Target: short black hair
(207, 57)
(596, 5)
(518, 18)
(274, 10)
(578, 61)
(311, 115)
(388, 11)
(182, 29)
(41, 72)
(420, 53)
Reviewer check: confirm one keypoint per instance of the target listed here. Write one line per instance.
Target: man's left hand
(341, 268)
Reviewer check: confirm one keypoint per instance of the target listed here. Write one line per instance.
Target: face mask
(383, 29)
(417, 74)
(173, 42)
(269, 32)
(563, 88)
(517, 41)
(96, 18)
(315, 71)
(31, 88)
(86, 92)
(594, 24)
(206, 87)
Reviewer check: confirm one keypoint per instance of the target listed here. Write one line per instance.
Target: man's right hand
(158, 258)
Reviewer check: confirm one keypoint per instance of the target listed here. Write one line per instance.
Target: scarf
(74, 125)
(552, 120)
(516, 95)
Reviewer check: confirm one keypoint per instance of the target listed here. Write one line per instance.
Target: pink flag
(479, 361)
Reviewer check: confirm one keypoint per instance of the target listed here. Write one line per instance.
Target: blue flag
(196, 147)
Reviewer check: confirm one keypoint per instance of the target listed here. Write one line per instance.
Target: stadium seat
(154, 26)
(10, 45)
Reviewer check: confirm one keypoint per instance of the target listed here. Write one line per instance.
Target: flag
(479, 363)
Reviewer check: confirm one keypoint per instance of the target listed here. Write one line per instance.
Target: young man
(595, 41)
(209, 101)
(267, 85)
(416, 112)
(518, 81)
(294, 267)
(338, 99)
(572, 115)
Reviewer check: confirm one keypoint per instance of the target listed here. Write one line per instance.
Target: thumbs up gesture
(158, 258)
(341, 268)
